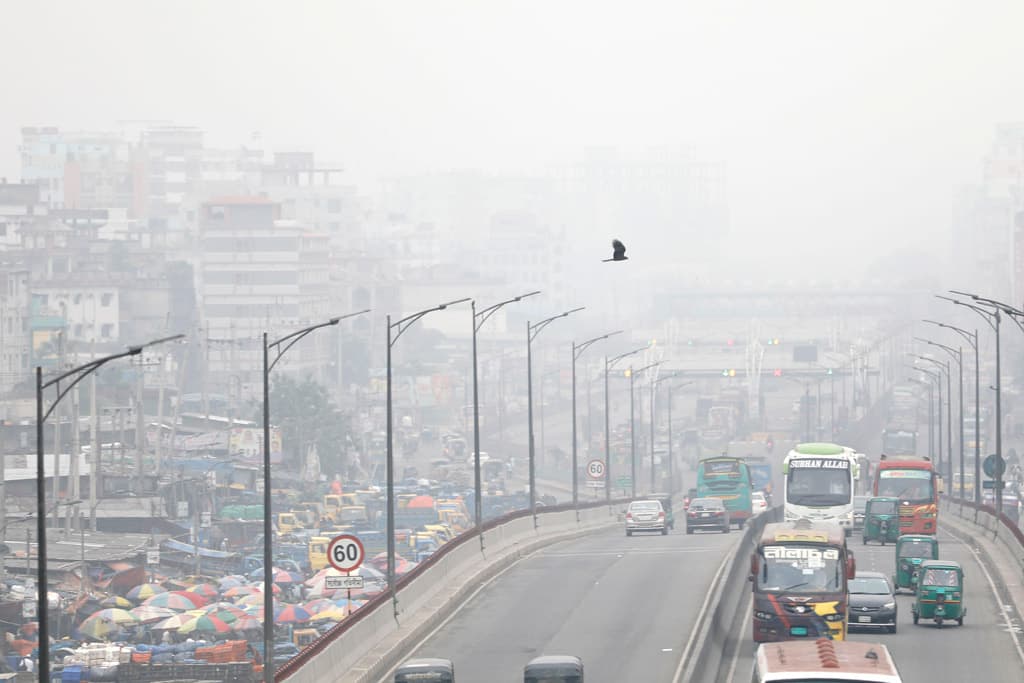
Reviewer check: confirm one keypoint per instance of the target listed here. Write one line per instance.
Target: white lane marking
(651, 551)
(1007, 620)
(692, 640)
(739, 644)
(666, 649)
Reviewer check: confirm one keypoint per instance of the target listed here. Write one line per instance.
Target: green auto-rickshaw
(911, 551)
(666, 504)
(426, 669)
(882, 520)
(940, 590)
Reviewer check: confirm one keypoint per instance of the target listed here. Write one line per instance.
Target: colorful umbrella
(247, 623)
(228, 615)
(251, 600)
(332, 614)
(172, 600)
(116, 615)
(292, 614)
(276, 588)
(97, 627)
(206, 590)
(318, 605)
(117, 601)
(147, 614)
(239, 591)
(204, 624)
(172, 623)
(197, 599)
(144, 591)
(279, 575)
(230, 582)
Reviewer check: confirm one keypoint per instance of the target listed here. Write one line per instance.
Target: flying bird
(618, 252)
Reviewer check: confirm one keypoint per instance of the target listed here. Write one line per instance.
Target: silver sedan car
(646, 515)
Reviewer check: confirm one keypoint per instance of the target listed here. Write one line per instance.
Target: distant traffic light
(828, 371)
(729, 373)
(730, 342)
(778, 372)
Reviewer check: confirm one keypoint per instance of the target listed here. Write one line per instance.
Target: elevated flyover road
(983, 649)
(625, 605)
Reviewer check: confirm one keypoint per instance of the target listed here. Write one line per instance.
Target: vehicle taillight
(661, 515)
(629, 515)
(693, 513)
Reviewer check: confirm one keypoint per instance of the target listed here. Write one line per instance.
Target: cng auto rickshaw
(911, 551)
(940, 590)
(881, 520)
(666, 504)
(426, 669)
(554, 669)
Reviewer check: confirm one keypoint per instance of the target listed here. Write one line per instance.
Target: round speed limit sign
(595, 469)
(345, 553)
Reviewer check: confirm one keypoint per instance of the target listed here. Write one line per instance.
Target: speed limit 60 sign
(345, 553)
(595, 469)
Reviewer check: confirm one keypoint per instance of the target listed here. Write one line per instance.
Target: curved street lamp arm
(615, 359)
(954, 353)
(535, 328)
(405, 323)
(971, 337)
(578, 349)
(991, 317)
(486, 313)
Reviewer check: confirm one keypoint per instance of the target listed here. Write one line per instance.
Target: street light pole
(400, 327)
(632, 425)
(609, 363)
(532, 330)
(945, 369)
(994, 319)
(957, 355)
(74, 376)
(668, 392)
(577, 351)
(936, 377)
(931, 409)
(972, 339)
(479, 318)
(281, 347)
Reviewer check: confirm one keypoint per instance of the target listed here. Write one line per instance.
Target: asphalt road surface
(625, 605)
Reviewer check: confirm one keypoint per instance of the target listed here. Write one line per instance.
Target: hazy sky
(841, 123)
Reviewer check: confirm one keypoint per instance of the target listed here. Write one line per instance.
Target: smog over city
(274, 273)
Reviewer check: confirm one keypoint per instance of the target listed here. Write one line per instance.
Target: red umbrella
(206, 590)
(421, 502)
(292, 614)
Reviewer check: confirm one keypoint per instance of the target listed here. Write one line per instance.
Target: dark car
(707, 513)
(860, 504)
(872, 603)
(688, 498)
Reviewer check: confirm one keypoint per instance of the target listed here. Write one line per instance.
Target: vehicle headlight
(763, 616)
(889, 605)
(833, 617)
(849, 515)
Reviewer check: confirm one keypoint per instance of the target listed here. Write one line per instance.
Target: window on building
(107, 330)
(105, 301)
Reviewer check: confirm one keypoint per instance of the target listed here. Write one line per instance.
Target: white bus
(825, 662)
(818, 484)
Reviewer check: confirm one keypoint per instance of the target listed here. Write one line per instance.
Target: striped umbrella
(197, 599)
(292, 614)
(229, 582)
(116, 615)
(117, 601)
(206, 590)
(247, 623)
(227, 615)
(239, 591)
(318, 605)
(204, 624)
(144, 591)
(172, 623)
(147, 614)
(171, 600)
(98, 627)
(332, 614)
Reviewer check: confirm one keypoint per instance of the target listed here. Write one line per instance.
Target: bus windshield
(915, 549)
(913, 486)
(721, 474)
(807, 569)
(818, 486)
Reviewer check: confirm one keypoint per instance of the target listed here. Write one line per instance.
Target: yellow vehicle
(318, 552)
(304, 636)
(443, 532)
(333, 503)
(353, 514)
(403, 499)
(308, 514)
(287, 523)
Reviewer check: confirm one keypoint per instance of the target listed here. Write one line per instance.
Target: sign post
(346, 554)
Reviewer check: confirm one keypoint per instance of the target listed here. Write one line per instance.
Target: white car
(758, 503)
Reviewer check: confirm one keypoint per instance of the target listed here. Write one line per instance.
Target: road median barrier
(717, 632)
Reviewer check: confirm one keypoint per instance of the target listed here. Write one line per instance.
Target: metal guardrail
(384, 599)
(1010, 525)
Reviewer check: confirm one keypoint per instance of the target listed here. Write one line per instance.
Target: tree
(307, 416)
